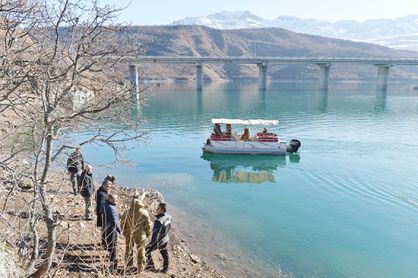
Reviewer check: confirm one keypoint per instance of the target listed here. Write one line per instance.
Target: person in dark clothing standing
(75, 165)
(87, 191)
(102, 195)
(159, 238)
(111, 228)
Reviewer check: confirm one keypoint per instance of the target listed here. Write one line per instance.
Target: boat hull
(245, 148)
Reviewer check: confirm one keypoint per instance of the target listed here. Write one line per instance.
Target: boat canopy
(245, 122)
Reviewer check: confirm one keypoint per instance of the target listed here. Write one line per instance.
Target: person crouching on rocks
(87, 191)
(136, 227)
(159, 238)
(111, 229)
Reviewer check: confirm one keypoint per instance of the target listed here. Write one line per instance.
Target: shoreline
(220, 252)
(177, 236)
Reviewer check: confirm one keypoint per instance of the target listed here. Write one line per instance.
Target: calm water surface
(347, 206)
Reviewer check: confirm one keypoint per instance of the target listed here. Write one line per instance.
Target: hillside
(204, 41)
(400, 33)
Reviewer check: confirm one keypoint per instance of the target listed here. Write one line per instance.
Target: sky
(158, 12)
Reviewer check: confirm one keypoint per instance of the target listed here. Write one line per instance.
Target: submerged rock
(221, 256)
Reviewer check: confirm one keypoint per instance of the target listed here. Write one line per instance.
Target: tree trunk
(52, 240)
(47, 212)
(48, 156)
(32, 226)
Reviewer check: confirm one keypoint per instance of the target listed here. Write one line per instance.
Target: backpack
(87, 185)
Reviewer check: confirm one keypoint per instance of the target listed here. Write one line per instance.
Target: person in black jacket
(102, 195)
(159, 238)
(75, 165)
(111, 228)
(87, 191)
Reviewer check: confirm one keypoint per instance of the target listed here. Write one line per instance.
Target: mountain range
(400, 33)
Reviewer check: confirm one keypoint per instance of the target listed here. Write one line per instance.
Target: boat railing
(221, 138)
(260, 138)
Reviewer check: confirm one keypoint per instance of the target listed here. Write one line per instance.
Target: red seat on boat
(267, 137)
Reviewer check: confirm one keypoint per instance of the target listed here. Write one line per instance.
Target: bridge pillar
(133, 78)
(262, 76)
(382, 77)
(199, 76)
(323, 76)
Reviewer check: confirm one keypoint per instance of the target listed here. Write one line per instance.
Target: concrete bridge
(383, 65)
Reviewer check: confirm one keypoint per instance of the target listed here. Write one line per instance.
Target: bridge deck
(273, 60)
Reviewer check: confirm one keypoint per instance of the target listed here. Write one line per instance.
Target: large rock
(25, 183)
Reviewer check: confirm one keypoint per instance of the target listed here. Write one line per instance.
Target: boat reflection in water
(244, 168)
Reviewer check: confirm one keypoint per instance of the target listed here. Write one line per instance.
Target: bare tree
(63, 71)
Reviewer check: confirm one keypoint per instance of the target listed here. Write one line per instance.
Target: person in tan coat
(246, 136)
(136, 227)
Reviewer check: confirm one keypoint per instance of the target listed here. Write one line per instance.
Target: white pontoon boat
(262, 143)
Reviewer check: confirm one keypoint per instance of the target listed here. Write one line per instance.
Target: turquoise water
(347, 206)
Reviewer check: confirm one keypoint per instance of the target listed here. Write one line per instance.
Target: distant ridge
(400, 33)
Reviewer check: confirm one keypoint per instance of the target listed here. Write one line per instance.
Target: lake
(346, 206)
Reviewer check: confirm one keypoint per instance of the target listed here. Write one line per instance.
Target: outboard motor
(293, 146)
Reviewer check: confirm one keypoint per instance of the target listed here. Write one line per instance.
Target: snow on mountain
(399, 33)
(225, 20)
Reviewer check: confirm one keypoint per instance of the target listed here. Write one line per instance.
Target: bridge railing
(272, 60)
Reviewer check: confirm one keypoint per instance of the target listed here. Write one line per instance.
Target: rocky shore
(79, 253)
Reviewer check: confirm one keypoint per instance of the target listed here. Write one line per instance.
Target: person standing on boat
(228, 130)
(87, 190)
(75, 166)
(217, 130)
(159, 238)
(111, 228)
